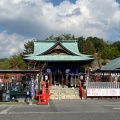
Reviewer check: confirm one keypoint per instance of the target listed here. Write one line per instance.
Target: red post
(81, 90)
(48, 83)
(96, 78)
(43, 90)
(83, 95)
(8, 78)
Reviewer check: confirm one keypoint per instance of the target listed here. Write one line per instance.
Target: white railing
(103, 89)
(103, 85)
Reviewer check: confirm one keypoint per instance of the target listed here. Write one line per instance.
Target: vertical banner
(32, 87)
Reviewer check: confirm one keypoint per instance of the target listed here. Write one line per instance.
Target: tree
(98, 43)
(88, 47)
(29, 47)
(51, 37)
(62, 37)
(16, 62)
(66, 36)
(81, 42)
(5, 64)
(109, 52)
(116, 44)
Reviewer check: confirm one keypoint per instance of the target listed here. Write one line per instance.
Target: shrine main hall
(58, 59)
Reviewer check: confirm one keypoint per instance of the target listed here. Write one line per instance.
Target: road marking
(111, 105)
(116, 108)
(88, 112)
(5, 111)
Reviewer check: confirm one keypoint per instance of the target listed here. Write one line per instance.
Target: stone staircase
(57, 92)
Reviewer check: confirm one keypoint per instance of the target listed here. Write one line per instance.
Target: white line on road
(88, 112)
(111, 105)
(116, 108)
(5, 111)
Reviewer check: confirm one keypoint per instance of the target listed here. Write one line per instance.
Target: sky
(23, 20)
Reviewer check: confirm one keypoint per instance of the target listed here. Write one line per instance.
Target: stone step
(61, 91)
(63, 88)
(65, 93)
(57, 92)
(64, 97)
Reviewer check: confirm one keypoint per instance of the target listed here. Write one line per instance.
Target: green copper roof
(71, 46)
(40, 47)
(113, 65)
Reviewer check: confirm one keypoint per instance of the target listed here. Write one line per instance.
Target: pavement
(91, 109)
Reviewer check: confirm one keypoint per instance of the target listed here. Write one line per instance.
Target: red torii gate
(2, 77)
(16, 76)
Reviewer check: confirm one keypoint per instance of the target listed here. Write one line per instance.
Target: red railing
(43, 98)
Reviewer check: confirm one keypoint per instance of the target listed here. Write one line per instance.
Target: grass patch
(13, 103)
(17, 103)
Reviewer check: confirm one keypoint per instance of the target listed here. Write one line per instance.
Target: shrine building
(58, 59)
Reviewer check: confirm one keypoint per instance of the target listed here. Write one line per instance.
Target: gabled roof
(113, 65)
(41, 47)
(58, 43)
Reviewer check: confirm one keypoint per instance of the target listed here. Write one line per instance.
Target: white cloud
(11, 44)
(39, 18)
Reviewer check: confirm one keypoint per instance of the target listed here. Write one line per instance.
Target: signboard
(103, 92)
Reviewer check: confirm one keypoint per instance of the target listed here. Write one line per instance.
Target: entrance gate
(57, 78)
(60, 75)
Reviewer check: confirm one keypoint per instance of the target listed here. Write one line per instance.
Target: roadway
(91, 109)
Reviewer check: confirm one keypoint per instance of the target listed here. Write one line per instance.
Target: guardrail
(103, 89)
(103, 85)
